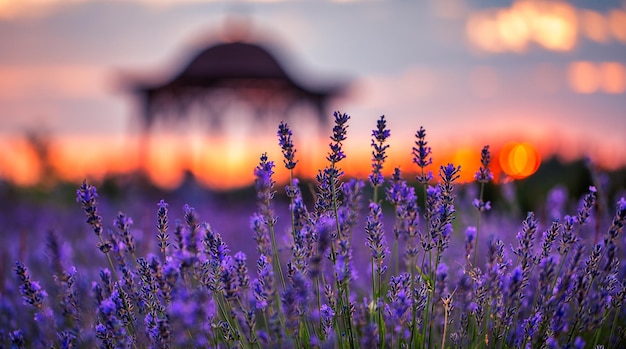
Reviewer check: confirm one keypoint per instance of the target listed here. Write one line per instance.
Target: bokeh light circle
(519, 160)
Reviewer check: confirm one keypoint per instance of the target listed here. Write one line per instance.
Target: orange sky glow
(220, 164)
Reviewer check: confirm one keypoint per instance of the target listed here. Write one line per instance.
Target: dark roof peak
(233, 60)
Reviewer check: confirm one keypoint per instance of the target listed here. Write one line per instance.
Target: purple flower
(579, 343)
(264, 184)
(399, 297)
(327, 315)
(568, 238)
(376, 239)
(242, 270)
(549, 237)
(588, 202)
(484, 175)
(470, 237)
(481, 205)
(17, 339)
(110, 327)
(31, 291)
(380, 134)
(394, 193)
(531, 325)
(295, 299)
(526, 240)
(263, 286)
(214, 246)
(441, 279)
(230, 285)
(123, 223)
(261, 234)
(162, 227)
(324, 229)
(339, 135)
(618, 222)
(286, 145)
(421, 155)
(192, 221)
(86, 195)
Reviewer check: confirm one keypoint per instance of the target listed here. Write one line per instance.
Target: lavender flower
(162, 226)
(484, 175)
(399, 296)
(481, 205)
(31, 291)
(86, 195)
(441, 279)
(261, 234)
(286, 145)
(549, 237)
(421, 156)
(376, 239)
(568, 238)
(617, 224)
(264, 185)
(193, 223)
(111, 328)
(339, 135)
(588, 201)
(470, 236)
(242, 270)
(17, 339)
(526, 239)
(441, 221)
(325, 191)
(380, 134)
(123, 223)
(324, 230)
(327, 314)
(230, 284)
(263, 286)
(178, 235)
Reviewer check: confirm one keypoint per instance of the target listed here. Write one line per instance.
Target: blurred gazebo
(226, 74)
(234, 91)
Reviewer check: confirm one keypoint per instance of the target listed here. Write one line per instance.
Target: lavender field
(400, 261)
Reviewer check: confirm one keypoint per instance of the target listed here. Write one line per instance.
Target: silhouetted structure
(226, 73)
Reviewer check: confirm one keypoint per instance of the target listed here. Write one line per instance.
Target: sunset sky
(547, 74)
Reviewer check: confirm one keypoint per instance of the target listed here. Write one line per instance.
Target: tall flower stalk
(483, 176)
(86, 195)
(377, 243)
(286, 145)
(379, 154)
(332, 174)
(265, 193)
(422, 158)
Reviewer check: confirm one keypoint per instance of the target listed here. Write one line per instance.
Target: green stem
(344, 296)
(482, 189)
(225, 309)
(275, 258)
(414, 303)
(446, 313)
(613, 325)
(130, 327)
(395, 253)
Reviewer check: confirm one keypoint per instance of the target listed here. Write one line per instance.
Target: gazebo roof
(234, 66)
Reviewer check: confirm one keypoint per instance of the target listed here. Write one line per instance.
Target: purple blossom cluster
(550, 285)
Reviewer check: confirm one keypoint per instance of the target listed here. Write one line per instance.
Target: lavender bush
(430, 281)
